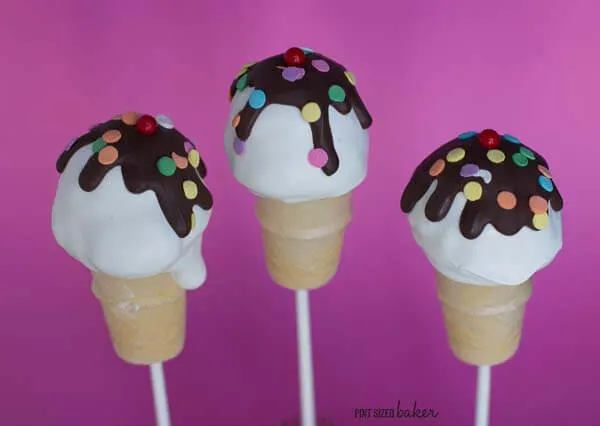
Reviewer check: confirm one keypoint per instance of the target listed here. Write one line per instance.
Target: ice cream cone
(145, 317)
(303, 241)
(483, 323)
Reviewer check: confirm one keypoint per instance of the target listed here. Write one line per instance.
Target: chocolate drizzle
(313, 86)
(520, 181)
(138, 154)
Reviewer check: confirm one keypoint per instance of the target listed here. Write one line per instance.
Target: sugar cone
(483, 323)
(303, 241)
(145, 317)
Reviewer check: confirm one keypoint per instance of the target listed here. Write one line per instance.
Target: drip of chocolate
(506, 184)
(152, 156)
(297, 78)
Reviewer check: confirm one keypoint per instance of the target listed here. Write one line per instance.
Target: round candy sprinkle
(108, 155)
(98, 145)
(257, 99)
(527, 153)
(437, 168)
(111, 136)
(544, 170)
(166, 166)
(455, 155)
(538, 205)
(242, 82)
(188, 146)
(489, 139)
(129, 118)
(320, 65)
(540, 221)
(318, 157)
(239, 146)
(194, 158)
(485, 175)
(292, 74)
(511, 139)
(336, 93)
(193, 221)
(473, 191)
(466, 135)
(164, 121)
(146, 125)
(350, 77)
(469, 170)
(190, 189)
(311, 112)
(294, 57)
(180, 162)
(545, 183)
(519, 159)
(496, 156)
(506, 200)
(235, 121)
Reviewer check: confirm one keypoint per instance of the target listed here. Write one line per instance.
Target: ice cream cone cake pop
(131, 206)
(486, 211)
(297, 138)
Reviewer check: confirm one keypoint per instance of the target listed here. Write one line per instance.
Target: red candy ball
(489, 138)
(294, 57)
(146, 125)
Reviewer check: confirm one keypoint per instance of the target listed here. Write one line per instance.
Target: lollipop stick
(161, 404)
(484, 388)
(307, 391)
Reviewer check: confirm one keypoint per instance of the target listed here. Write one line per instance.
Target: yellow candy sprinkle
(455, 155)
(311, 112)
(350, 77)
(193, 221)
(473, 191)
(190, 189)
(244, 69)
(540, 221)
(194, 158)
(496, 156)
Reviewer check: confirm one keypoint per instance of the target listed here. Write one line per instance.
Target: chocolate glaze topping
(511, 187)
(153, 157)
(310, 80)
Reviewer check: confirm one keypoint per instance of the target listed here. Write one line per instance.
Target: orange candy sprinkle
(538, 205)
(180, 162)
(108, 155)
(130, 118)
(235, 121)
(507, 200)
(437, 167)
(111, 136)
(544, 170)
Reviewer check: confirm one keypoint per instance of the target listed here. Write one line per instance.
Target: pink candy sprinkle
(317, 157)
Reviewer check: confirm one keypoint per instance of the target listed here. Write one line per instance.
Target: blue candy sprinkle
(545, 183)
(467, 135)
(511, 139)
(307, 50)
(257, 99)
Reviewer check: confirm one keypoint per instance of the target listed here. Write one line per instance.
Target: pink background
(428, 70)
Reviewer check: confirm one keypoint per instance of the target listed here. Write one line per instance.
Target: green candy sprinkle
(242, 82)
(527, 153)
(519, 159)
(336, 93)
(166, 166)
(98, 145)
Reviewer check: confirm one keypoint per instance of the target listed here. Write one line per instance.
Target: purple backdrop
(428, 70)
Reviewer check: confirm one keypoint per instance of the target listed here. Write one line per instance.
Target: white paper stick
(161, 403)
(484, 389)
(305, 367)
